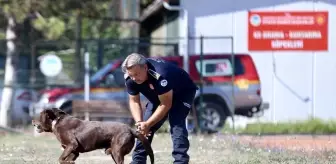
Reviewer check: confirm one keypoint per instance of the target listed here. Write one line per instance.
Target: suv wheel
(211, 118)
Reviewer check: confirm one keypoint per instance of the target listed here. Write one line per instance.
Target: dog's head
(45, 121)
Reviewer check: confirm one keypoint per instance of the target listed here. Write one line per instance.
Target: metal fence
(102, 51)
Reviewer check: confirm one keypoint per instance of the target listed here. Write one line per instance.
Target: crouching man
(170, 92)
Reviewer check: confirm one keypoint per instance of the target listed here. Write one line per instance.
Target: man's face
(138, 73)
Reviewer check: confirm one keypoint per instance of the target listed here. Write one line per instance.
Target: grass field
(217, 149)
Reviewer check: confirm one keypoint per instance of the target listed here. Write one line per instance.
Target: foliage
(309, 126)
(51, 20)
(57, 19)
(52, 27)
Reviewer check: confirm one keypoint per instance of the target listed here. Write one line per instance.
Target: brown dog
(78, 136)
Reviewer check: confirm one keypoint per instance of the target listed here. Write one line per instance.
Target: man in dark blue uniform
(170, 92)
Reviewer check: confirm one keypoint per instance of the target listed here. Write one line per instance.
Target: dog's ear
(50, 113)
(58, 112)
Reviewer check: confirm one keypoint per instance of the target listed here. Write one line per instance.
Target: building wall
(172, 32)
(166, 34)
(287, 97)
(160, 32)
(129, 9)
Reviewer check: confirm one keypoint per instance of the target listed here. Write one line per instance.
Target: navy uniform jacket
(162, 77)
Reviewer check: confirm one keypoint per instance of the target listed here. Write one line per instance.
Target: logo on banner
(255, 20)
(320, 20)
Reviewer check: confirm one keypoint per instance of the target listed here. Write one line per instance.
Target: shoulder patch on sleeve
(126, 76)
(163, 82)
(154, 74)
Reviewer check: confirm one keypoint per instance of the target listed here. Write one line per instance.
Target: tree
(47, 19)
(10, 74)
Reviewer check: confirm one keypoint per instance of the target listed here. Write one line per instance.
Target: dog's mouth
(37, 127)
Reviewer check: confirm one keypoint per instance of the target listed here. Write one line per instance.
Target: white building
(300, 89)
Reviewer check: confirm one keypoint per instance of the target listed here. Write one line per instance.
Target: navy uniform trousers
(177, 116)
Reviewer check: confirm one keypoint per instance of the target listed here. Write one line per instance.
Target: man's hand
(143, 128)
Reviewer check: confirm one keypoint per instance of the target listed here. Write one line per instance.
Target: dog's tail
(145, 144)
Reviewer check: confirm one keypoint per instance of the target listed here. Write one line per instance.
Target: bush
(310, 126)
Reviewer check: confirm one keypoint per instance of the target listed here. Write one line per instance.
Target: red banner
(304, 31)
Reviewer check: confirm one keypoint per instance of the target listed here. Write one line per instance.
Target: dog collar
(54, 122)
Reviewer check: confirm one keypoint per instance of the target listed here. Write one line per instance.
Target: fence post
(32, 79)
(233, 84)
(87, 82)
(201, 70)
(33, 67)
(201, 84)
(78, 48)
(196, 110)
(100, 54)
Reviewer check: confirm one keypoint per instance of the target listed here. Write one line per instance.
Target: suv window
(219, 67)
(114, 79)
(100, 73)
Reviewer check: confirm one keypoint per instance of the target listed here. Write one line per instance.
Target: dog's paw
(108, 151)
(67, 162)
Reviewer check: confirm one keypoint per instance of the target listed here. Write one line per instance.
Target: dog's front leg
(72, 157)
(67, 151)
(70, 147)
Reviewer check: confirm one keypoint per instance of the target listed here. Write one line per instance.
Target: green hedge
(310, 126)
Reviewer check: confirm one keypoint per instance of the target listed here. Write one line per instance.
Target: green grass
(309, 126)
(204, 150)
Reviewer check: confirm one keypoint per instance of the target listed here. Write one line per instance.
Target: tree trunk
(10, 73)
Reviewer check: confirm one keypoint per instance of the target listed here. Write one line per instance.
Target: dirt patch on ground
(321, 149)
(290, 142)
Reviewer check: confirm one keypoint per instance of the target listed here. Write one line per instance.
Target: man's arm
(134, 100)
(166, 100)
(135, 107)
